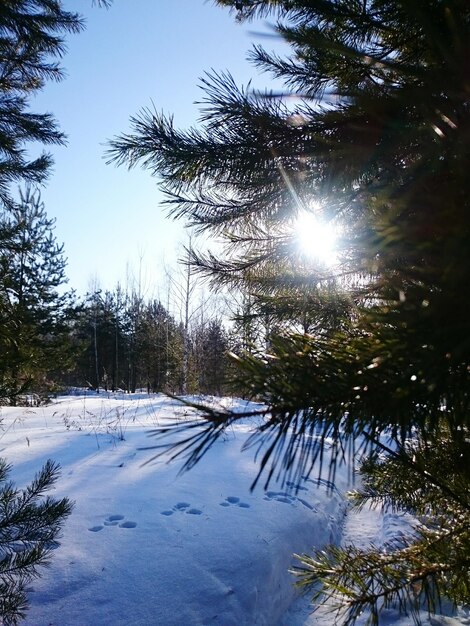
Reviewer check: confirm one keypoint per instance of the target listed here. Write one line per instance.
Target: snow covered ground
(145, 546)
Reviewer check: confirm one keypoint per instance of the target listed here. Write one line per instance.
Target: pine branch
(202, 433)
(29, 527)
(407, 578)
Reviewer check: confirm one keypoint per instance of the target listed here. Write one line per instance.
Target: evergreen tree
(372, 136)
(126, 344)
(34, 315)
(161, 349)
(210, 348)
(30, 526)
(133, 324)
(101, 337)
(30, 42)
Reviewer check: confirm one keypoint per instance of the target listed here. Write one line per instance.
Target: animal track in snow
(286, 498)
(182, 507)
(234, 501)
(128, 525)
(114, 520)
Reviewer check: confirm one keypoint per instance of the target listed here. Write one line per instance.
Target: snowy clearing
(145, 546)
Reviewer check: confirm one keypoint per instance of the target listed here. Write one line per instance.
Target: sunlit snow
(146, 546)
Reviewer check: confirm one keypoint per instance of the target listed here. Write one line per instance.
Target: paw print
(113, 520)
(181, 507)
(234, 501)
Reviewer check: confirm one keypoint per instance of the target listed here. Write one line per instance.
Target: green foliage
(30, 42)
(129, 343)
(35, 317)
(209, 348)
(33, 324)
(372, 134)
(31, 264)
(430, 480)
(157, 346)
(30, 524)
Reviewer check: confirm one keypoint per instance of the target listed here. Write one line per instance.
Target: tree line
(113, 340)
(130, 344)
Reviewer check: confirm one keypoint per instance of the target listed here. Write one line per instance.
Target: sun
(316, 239)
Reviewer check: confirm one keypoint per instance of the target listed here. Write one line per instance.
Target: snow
(148, 545)
(363, 528)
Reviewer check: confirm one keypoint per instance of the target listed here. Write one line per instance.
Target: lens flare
(316, 239)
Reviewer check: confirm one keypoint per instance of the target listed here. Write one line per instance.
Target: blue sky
(136, 53)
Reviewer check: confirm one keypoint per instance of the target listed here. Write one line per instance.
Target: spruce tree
(372, 134)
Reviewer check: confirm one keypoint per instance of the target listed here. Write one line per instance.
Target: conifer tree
(372, 134)
(160, 350)
(29, 528)
(210, 346)
(34, 316)
(31, 43)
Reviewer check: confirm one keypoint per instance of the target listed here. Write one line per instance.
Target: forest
(363, 361)
(53, 340)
